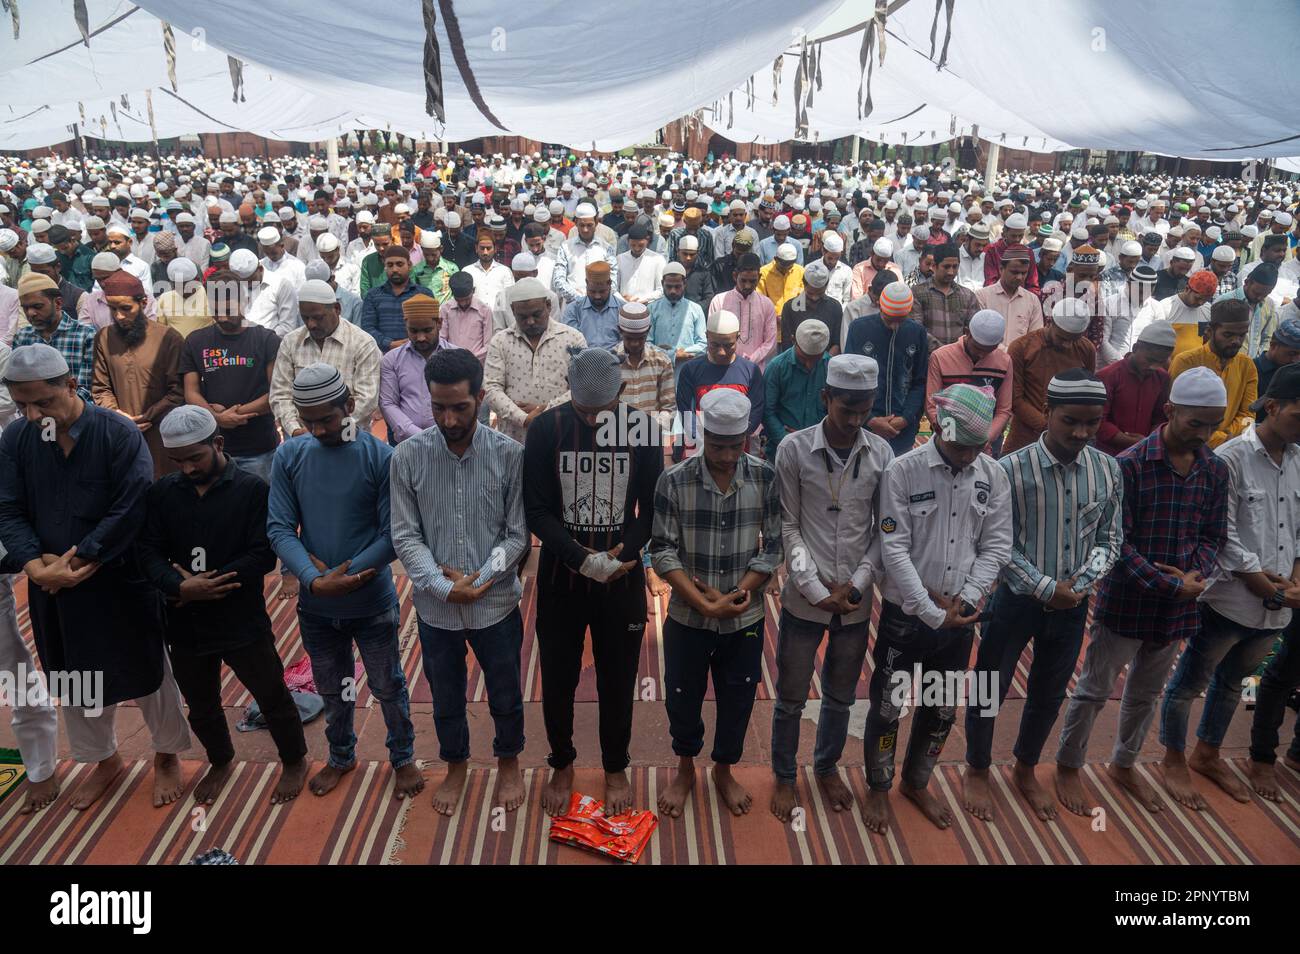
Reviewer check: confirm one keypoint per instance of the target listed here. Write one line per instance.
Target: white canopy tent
(1100, 74)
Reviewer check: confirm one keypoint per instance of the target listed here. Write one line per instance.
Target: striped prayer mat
(362, 823)
(11, 771)
(284, 622)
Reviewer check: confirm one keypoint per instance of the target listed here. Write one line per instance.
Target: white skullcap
(723, 322)
(8, 239)
(364, 217)
(725, 412)
(689, 243)
(666, 218)
(786, 252)
(326, 243)
(987, 327)
(183, 218)
(187, 424)
(1131, 248)
(1071, 314)
(1183, 253)
(737, 205)
(181, 270)
(318, 223)
(317, 292)
(38, 253)
(95, 222)
(1195, 387)
(883, 247)
(1017, 221)
(1214, 233)
(453, 220)
(526, 289)
(105, 262)
(556, 207)
(524, 262)
(1052, 244)
(429, 238)
(852, 372)
(271, 218)
(634, 318)
(268, 236)
(40, 227)
(35, 362)
(817, 275)
(1079, 233)
(1223, 253)
(781, 223)
(401, 209)
(541, 214)
(138, 214)
(812, 336)
(118, 229)
(1283, 218)
(228, 218)
(1249, 231)
(585, 210)
(243, 262)
(674, 268)
(1159, 333)
(317, 268)
(833, 243)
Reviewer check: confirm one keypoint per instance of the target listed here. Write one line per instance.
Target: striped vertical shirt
(1065, 519)
(464, 512)
(650, 385)
(714, 536)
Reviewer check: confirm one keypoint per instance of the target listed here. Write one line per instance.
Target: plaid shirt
(715, 536)
(944, 317)
(72, 339)
(1171, 519)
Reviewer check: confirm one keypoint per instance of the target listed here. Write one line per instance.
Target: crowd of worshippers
(1008, 407)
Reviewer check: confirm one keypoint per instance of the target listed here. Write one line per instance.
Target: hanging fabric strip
(776, 78)
(946, 6)
(169, 50)
(12, 7)
(236, 79)
(434, 104)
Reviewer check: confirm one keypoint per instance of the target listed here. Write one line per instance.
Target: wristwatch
(855, 595)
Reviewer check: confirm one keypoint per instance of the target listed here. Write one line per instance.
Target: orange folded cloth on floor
(585, 825)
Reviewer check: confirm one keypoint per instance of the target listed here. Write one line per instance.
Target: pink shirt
(757, 323)
(469, 328)
(950, 364)
(1023, 311)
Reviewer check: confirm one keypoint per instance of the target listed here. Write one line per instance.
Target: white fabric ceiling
(1106, 74)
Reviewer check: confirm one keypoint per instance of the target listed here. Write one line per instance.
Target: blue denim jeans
(329, 644)
(1219, 657)
(497, 648)
(796, 657)
(259, 464)
(1058, 637)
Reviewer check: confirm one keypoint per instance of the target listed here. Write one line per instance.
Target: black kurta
(94, 499)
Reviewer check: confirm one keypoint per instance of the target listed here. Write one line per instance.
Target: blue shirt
(677, 324)
(339, 497)
(903, 356)
(381, 312)
(350, 306)
(767, 248)
(598, 325)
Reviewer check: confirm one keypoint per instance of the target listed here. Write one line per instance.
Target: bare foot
(618, 793)
(784, 799)
(324, 781)
(97, 782)
(1263, 779)
(673, 799)
(409, 781)
(835, 792)
(875, 811)
(167, 784)
(446, 797)
(1135, 785)
(1069, 791)
(509, 792)
(37, 795)
(731, 792)
(1205, 761)
(930, 806)
(558, 791)
(1039, 800)
(289, 785)
(209, 787)
(976, 796)
(657, 586)
(1178, 782)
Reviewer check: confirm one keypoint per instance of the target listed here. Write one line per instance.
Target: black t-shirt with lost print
(234, 369)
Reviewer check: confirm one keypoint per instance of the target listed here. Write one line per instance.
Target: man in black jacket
(204, 545)
(590, 468)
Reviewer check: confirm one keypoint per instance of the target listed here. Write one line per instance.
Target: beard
(134, 334)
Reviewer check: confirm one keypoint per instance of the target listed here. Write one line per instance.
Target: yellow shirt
(186, 315)
(779, 287)
(1239, 377)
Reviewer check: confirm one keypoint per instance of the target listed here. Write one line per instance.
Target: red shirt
(993, 266)
(1136, 405)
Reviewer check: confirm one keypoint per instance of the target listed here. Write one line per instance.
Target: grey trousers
(92, 738)
(1107, 655)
